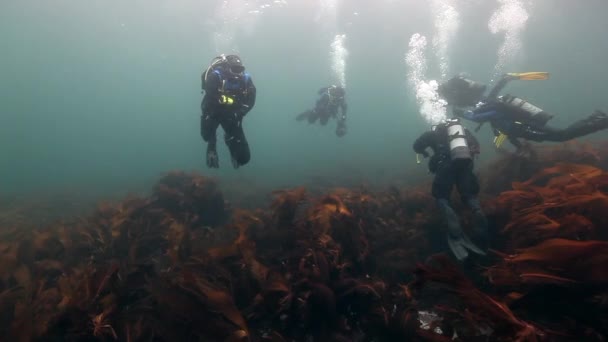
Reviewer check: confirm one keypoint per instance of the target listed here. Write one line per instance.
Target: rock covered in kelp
(191, 194)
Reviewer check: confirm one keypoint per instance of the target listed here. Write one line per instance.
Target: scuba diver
(327, 105)
(454, 149)
(229, 96)
(511, 117)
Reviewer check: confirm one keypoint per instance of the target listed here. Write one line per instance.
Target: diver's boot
(599, 115)
(212, 158)
(458, 241)
(595, 122)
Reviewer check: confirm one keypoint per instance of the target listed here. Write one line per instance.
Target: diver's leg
(324, 119)
(455, 236)
(304, 115)
(209, 125)
(442, 188)
(235, 140)
(458, 241)
(313, 117)
(468, 187)
(595, 122)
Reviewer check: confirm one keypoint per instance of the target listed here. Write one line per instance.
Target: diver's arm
(472, 142)
(481, 114)
(499, 87)
(249, 100)
(212, 86)
(322, 102)
(344, 108)
(423, 142)
(341, 126)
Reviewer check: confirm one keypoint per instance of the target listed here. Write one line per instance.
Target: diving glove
(212, 159)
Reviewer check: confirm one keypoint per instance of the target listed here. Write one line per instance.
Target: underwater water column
(327, 17)
(432, 107)
(510, 19)
(446, 21)
(228, 13)
(235, 17)
(338, 60)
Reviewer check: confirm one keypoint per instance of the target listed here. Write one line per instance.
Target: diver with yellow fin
(511, 117)
(454, 149)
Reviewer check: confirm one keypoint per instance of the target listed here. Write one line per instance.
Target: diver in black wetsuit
(512, 117)
(332, 99)
(229, 96)
(454, 148)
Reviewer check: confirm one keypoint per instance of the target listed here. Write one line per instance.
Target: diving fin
(530, 76)
(459, 245)
(417, 158)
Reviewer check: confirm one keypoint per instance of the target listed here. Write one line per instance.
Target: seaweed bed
(344, 265)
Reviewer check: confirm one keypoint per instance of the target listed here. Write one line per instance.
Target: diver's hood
(462, 92)
(231, 63)
(337, 92)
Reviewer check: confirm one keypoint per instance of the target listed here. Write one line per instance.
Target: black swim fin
(460, 245)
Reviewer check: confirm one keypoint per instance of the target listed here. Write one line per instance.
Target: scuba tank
(529, 112)
(459, 148)
(519, 104)
(216, 61)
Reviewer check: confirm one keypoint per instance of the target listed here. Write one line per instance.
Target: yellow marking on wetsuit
(226, 100)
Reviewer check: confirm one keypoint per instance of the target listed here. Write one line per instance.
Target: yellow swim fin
(530, 76)
(499, 140)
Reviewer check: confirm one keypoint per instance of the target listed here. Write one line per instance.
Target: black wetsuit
(447, 173)
(458, 173)
(520, 124)
(238, 87)
(523, 120)
(327, 107)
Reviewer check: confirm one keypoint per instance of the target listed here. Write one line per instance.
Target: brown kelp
(346, 264)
